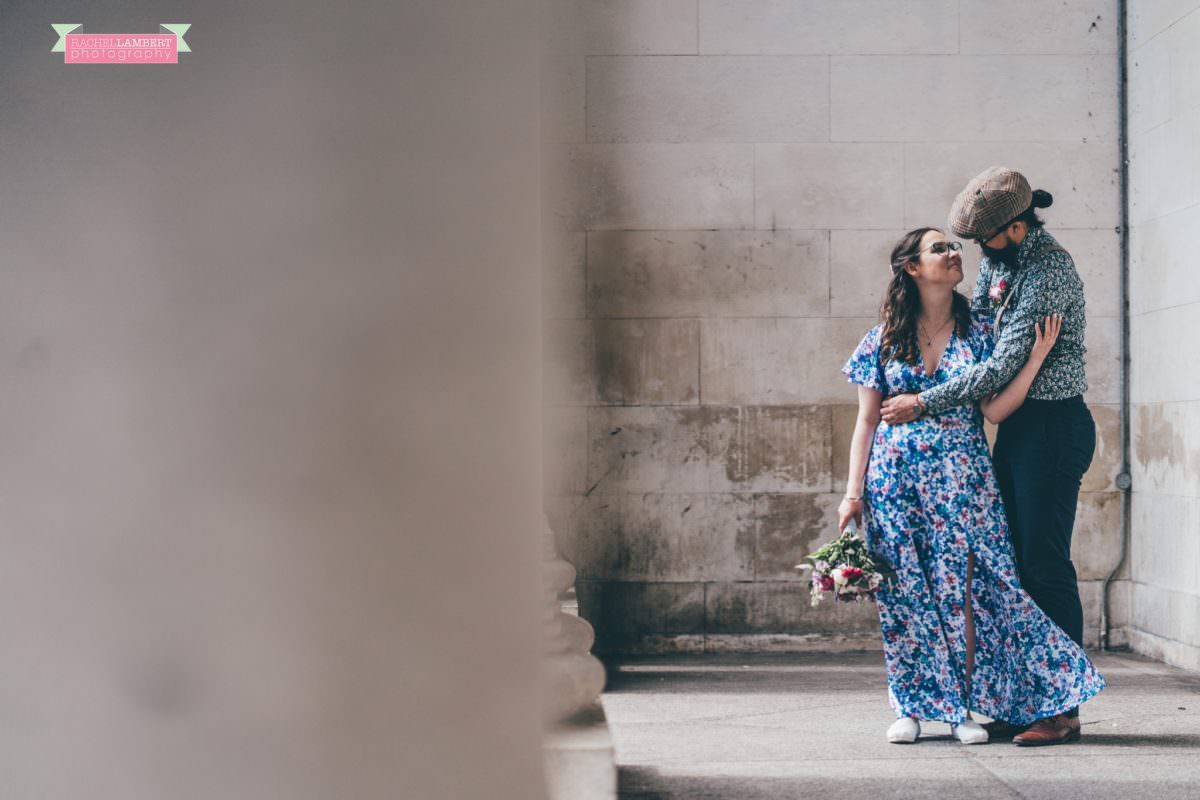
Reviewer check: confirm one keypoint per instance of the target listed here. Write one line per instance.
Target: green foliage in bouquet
(845, 568)
(848, 549)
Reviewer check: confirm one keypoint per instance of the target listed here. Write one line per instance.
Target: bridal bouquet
(845, 569)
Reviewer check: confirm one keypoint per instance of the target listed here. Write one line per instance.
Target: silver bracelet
(848, 497)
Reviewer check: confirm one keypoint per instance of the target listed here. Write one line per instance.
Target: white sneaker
(904, 731)
(970, 732)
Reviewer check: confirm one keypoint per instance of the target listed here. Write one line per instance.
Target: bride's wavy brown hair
(902, 304)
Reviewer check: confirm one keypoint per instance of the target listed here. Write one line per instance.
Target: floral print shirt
(1044, 283)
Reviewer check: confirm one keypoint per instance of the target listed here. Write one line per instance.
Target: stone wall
(738, 173)
(1164, 297)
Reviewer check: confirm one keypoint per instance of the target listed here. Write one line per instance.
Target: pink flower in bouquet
(850, 573)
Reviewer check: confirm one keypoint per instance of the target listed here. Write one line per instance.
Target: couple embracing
(984, 614)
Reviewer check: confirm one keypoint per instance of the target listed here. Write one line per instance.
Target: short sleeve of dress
(863, 366)
(982, 336)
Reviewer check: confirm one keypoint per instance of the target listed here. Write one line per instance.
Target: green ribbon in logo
(62, 31)
(179, 29)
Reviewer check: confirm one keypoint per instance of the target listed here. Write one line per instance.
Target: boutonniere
(999, 293)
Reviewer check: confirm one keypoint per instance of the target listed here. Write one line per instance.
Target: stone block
(708, 273)
(1096, 540)
(1150, 609)
(647, 361)
(1106, 463)
(1185, 62)
(1174, 653)
(636, 27)
(859, 270)
(564, 447)
(597, 548)
(657, 186)
(646, 449)
(624, 614)
(782, 607)
(563, 289)
(1163, 165)
(778, 361)
(845, 417)
(1083, 177)
(624, 362)
(1150, 87)
(1103, 360)
(828, 186)
(820, 642)
(674, 537)
(1165, 541)
(1147, 20)
(1156, 248)
(1034, 27)
(1165, 445)
(1184, 615)
(710, 449)
(874, 98)
(1091, 595)
(1157, 372)
(790, 526)
(708, 99)
(1168, 614)
(775, 449)
(828, 26)
(1097, 256)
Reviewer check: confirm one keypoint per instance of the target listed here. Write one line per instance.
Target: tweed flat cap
(992, 198)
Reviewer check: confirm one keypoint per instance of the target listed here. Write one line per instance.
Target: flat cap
(991, 199)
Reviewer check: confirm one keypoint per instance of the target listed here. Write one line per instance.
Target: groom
(1045, 447)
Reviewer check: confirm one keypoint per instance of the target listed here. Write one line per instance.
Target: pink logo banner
(122, 48)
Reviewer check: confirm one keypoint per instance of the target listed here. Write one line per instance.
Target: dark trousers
(1041, 453)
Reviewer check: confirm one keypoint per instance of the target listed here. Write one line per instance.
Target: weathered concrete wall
(1164, 297)
(740, 172)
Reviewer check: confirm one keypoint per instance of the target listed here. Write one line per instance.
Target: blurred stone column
(579, 757)
(269, 487)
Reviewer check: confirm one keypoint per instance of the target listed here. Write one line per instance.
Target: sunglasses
(941, 248)
(982, 240)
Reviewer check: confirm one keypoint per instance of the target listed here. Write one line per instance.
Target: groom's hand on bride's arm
(900, 409)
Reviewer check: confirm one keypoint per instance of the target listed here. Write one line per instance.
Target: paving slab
(777, 726)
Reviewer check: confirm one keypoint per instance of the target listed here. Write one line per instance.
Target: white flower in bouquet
(843, 568)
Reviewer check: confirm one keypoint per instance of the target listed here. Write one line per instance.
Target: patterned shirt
(1044, 283)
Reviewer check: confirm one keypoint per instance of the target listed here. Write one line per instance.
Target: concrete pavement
(812, 725)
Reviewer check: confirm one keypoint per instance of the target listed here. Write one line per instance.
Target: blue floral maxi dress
(930, 494)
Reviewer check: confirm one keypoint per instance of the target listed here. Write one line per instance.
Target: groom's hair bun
(1042, 198)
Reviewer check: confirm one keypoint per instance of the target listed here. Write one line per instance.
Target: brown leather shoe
(1058, 729)
(999, 730)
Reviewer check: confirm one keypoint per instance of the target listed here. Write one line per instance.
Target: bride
(959, 632)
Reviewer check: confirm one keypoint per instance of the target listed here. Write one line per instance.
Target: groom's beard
(1006, 255)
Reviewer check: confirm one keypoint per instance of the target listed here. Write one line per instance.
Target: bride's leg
(970, 631)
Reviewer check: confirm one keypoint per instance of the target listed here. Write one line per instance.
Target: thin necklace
(928, 338)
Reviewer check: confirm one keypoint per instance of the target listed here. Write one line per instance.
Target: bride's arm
(999, 406)
(869, 401)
